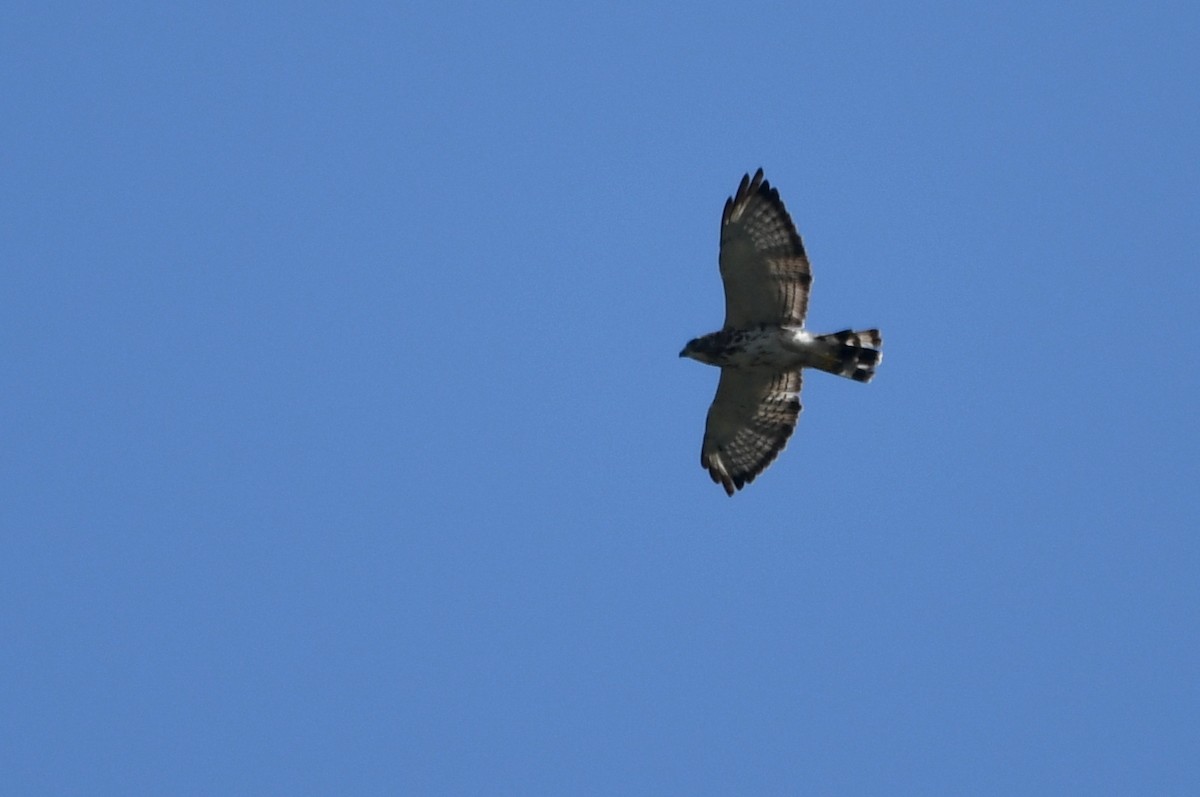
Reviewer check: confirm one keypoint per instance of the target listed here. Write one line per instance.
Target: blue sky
(346, 449)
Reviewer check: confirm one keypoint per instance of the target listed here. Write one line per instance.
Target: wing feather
(749, 423)
(763, 263)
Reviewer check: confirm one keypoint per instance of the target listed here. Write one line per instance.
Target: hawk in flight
(763, 345)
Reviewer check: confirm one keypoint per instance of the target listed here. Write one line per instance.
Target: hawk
(764, 345)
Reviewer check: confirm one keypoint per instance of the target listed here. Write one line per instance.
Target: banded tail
(851, 354)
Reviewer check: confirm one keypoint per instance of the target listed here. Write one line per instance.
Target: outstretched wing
(749, 423)
(763, 265)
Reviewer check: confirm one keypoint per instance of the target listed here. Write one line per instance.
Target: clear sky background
(346, 450)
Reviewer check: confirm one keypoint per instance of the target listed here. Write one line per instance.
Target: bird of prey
(764, 345)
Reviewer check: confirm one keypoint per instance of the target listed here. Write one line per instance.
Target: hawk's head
(705, 348)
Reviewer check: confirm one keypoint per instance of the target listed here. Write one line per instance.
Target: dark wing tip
(757, 182)
(763, 189)
(730, 484)
(748, 187)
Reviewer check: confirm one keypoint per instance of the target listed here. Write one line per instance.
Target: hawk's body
(763, 345)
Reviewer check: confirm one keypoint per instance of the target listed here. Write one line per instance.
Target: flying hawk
(763, 345)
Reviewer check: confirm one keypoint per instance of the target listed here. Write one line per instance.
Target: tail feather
(851, 354)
